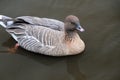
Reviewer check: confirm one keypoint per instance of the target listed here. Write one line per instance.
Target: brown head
(72, 23)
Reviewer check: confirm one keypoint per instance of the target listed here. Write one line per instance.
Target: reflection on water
(99, 61)
(73, 69)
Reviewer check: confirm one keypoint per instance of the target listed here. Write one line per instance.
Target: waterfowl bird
(46, 36)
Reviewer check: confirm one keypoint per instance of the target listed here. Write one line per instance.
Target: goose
(44, 35)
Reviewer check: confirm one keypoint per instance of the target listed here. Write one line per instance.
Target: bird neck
(70, 35)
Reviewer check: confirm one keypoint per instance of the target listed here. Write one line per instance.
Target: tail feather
(2, 24)
(5, 21)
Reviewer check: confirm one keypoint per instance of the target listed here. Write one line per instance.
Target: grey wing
(31, 37)
(46, 22)
(27, 37)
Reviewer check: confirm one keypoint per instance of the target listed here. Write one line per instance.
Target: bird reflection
(73, 68)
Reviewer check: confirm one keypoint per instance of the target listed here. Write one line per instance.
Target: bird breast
(76, 45)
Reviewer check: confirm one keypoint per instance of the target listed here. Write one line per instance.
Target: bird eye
(73, 23)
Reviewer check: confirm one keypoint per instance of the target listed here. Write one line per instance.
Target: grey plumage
(46, 22)
(45, 36)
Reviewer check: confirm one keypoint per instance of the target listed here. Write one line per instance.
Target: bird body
(44, 36)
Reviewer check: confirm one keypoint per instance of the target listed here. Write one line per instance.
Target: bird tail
(5, 21)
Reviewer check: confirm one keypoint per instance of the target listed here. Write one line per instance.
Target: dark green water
(99, 61)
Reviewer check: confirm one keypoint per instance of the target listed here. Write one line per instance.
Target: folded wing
(46, 22)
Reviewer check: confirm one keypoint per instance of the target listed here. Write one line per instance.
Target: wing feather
(46, 22)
